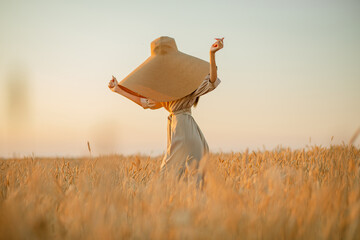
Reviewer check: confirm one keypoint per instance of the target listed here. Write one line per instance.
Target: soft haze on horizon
(289, 69)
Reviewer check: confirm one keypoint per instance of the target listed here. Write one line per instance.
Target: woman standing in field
(175, 81)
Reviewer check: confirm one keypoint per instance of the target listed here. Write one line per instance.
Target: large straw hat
(167, 74)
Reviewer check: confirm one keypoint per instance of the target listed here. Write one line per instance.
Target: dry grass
(279, 194)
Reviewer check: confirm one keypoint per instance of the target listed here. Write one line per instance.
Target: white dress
(185, 141)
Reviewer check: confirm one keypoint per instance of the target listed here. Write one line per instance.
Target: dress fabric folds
(185, 140)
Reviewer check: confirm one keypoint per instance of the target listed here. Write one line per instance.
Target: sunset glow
(289, 70)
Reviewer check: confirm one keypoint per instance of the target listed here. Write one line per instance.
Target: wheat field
(311, 193)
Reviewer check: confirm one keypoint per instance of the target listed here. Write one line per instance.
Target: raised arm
(219, 44)
(113, 85)
(143, 102)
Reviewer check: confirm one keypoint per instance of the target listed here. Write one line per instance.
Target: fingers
(217, 46)
(113, 80)
(219, 43)
(112, 83)
(220, 39)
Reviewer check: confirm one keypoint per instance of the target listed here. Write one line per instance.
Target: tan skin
(219, 44)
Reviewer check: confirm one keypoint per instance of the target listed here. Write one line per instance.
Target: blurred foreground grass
(312, 193)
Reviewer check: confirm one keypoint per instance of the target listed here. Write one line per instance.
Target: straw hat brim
(166, 77)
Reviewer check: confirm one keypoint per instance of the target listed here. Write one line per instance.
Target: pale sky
(290, 72)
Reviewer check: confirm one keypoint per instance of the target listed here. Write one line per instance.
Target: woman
(185, 141)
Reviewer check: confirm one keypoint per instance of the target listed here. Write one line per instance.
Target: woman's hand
(219, 44)
(113, 84)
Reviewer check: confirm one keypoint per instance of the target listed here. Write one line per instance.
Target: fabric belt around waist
(186, 111)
